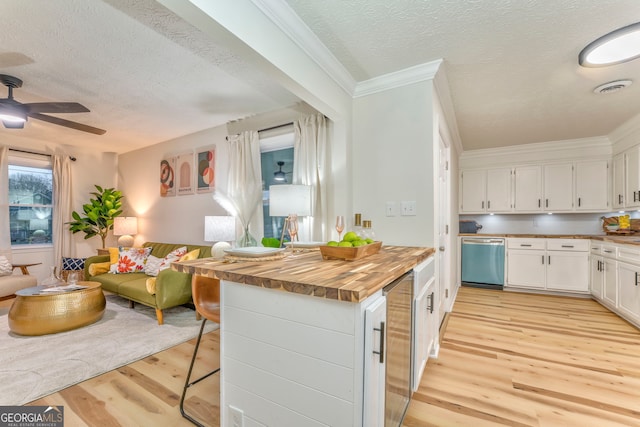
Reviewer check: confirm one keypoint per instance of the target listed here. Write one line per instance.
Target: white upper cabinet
(558, 187)
(499, 190)
(632, 169)
(485, 190)
(528, 189)
(592, 185)
(619, 170)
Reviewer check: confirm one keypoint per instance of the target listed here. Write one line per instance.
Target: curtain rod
(270, 128)
(73, 159)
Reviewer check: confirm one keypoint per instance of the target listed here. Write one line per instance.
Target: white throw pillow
(152, 267)
(6, 268)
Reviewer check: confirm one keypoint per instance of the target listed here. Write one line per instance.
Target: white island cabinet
(303, 340)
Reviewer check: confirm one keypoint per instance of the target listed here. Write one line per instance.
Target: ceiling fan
(14, 114)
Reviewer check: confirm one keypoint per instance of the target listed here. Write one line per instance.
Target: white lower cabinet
(550, 264)
(375, 316)
(629, 291)
(425, 320)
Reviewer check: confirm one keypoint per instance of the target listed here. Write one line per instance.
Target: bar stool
(206, 298)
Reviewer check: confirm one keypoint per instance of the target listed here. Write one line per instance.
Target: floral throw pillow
(132, 260)
(172, 256)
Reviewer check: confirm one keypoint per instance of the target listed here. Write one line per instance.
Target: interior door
(444, 254)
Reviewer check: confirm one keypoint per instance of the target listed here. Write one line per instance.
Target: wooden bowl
(350, 254)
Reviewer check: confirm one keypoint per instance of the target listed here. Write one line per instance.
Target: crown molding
(417, 73)
(624, 130)
(550, 151)
(281, 14)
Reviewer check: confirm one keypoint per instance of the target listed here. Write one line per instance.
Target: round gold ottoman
(36, 313)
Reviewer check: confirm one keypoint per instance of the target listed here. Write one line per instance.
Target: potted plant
(98, 214)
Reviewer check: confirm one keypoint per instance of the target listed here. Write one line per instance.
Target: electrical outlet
(237, 416)
(408, 208)
(391, 209)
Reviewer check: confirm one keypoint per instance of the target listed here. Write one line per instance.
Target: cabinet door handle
(488, 204)
(636, 278)
(539, 205)
(381, 352)
(598, 267)
(567, 246)
(578, 201)
(619, 199)
(549, 259)
(608, 251)
(483, 204)
(634, 196)
(525, 246)
(546, 203)
(431, 302)
(543, 259)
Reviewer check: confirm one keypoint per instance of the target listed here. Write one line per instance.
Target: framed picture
(184, 173)
(206, 169)
(168, 177)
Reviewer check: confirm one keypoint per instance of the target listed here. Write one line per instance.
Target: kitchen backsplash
(573, 223)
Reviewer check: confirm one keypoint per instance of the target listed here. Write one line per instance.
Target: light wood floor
(514, 359)
(506, 359)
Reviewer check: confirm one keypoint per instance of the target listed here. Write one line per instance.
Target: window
(276, 156)
(30, 198)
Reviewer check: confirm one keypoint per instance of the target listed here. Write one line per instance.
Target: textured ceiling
(148, 76)
(511, 65)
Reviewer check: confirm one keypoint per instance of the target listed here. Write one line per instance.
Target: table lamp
(288, 200)
(222, 230)
(125, 226)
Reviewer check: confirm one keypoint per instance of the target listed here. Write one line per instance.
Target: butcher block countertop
(307, 273)
(633, 239)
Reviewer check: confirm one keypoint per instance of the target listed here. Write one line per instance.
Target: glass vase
(52, 280)
(246, 239)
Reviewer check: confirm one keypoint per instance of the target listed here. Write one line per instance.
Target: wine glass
(339, 225)
(292, 227)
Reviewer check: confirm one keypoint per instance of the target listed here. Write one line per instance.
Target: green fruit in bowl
(359, 243)
(344, 244)
(369, 241)
(332, 243)
(350, 237)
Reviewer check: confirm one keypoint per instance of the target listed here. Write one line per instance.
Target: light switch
(391, 209)
(408, 208)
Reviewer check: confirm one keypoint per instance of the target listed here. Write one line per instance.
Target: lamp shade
(219, 228)
(289, 199)
(125, 225)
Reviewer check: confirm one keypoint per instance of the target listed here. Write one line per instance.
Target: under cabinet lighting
(550, 213)
(621, 45)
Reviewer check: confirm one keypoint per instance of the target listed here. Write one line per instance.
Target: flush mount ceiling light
(618, 46)
(279, 175)
(612, 86)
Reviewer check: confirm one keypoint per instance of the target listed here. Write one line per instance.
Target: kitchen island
(294, 346)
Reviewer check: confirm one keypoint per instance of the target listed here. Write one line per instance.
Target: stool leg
(188, 384)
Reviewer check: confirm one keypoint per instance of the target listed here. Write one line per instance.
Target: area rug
(33, 367)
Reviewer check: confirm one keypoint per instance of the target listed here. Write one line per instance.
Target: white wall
(178, 219)
(393, 161)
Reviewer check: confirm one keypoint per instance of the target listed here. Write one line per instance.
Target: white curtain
(5, 239)
(245, 180)
(310, 168)
(62, 244)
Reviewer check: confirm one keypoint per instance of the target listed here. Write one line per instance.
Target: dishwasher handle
(475, 241)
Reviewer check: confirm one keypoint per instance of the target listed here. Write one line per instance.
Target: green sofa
(172, 288)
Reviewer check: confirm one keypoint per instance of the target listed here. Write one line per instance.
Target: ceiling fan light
(13, 118)
(279, 175)
(619, 46)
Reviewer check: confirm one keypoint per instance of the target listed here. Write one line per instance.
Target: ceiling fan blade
(67, 123)
(13, 125)
(55, 107)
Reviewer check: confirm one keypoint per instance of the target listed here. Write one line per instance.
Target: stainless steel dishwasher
(483, 262)
(399, 294)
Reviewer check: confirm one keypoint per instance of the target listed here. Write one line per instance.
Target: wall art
(168, 177)
(206, 169)
(184, 173)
